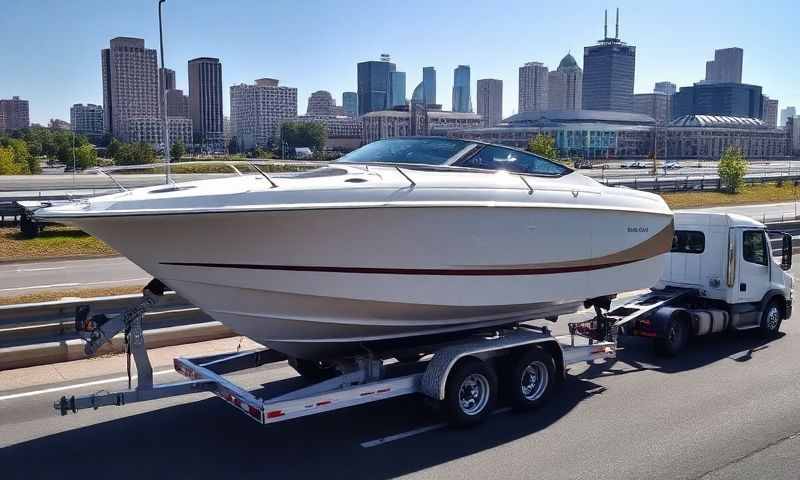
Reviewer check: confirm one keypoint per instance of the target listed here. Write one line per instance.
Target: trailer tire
(771, 319)
(311, 370)
(675, 340)
(532, 379)
(470, 392)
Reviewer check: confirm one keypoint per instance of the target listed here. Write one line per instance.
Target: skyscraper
(397, 89)
(257, 111)
(657, 105)
(86, 119)
(726, 66)
(350, 104)
(166, 81)
(667, 88)
(177, 104)
(533, 87)
(565, 85)
(373, 85)
(130, 84)
(608, 71)
(490, 101)
(16, 113)
(429, 85)
(205, 100)
(723, 99)
(786, 114)
(321, 104)
(769, 111)
(461, 89)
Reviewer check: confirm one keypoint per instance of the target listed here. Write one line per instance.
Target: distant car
(637, 164)
(673, 165)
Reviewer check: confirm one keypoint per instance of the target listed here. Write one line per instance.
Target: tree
(113, 148)
(28, 163)
(135, 154)
(732, 168)
(544, 145)
(7, 164)
(85, 157)
(311, 135)
(176, 151)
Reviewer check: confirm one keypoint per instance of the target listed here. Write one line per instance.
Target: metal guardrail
(63, 311)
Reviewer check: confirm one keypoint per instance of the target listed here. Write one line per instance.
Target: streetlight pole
(162, 82)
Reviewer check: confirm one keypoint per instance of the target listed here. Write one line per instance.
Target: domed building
(565, 85)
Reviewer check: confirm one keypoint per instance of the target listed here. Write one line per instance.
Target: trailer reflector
(323, 402)
(272, 414)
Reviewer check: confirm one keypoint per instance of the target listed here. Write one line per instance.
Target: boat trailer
(362, 380)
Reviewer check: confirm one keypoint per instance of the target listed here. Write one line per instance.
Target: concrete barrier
(64, 351)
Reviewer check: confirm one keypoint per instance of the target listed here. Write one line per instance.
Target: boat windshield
(424, 151)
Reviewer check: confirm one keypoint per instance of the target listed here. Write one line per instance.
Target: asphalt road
(25, 278)
(728, 408)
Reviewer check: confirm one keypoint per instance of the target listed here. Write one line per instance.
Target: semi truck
(720, 275)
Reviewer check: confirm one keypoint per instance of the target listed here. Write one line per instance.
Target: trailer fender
(434, 380)
(661, 318)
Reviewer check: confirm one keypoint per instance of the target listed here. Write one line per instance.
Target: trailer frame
(363, 379)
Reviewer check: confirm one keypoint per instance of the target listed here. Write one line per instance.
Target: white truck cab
(726, 262)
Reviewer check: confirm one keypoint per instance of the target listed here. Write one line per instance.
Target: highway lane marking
(411, 433)
(54, 285)
(74, 386)
(33, 287)
(39, 269)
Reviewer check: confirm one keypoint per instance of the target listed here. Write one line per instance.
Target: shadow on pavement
(207, 438)
(637, 354)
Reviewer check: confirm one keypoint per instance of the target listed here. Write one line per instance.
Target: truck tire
(675, 340)
(470, 392)
(771, 319)
(313, 371)
(532, 379)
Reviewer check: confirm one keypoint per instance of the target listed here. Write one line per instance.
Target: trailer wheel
(532, 379)
(675, 340)
(771, 319)
(470, 393)
(314, 371)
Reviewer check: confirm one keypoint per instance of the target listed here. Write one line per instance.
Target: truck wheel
(313, 371)
(771, 319)
(470, 392)
(675, 340)
(532, 379)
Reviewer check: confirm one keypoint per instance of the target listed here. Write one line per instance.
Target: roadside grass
(749, 194)
(53, 242)
(50, 295)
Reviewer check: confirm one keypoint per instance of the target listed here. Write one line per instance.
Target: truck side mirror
(786, 252)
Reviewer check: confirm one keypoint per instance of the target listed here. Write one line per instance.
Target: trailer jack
(98, 330)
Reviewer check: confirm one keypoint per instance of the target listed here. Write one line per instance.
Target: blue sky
(51, 48)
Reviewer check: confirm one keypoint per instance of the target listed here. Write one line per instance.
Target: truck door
(753, 279)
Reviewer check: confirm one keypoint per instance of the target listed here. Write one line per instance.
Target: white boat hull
(320, 282)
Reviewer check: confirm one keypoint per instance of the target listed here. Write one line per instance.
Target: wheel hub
(534, 380)
(473, 394)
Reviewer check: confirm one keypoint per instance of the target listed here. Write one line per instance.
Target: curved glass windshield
(425, 151)
(492, 157)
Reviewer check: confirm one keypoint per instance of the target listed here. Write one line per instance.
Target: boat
(404, 237)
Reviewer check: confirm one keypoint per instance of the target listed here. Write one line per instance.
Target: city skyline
(662, 50)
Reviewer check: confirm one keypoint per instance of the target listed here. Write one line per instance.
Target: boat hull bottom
(320, 328)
